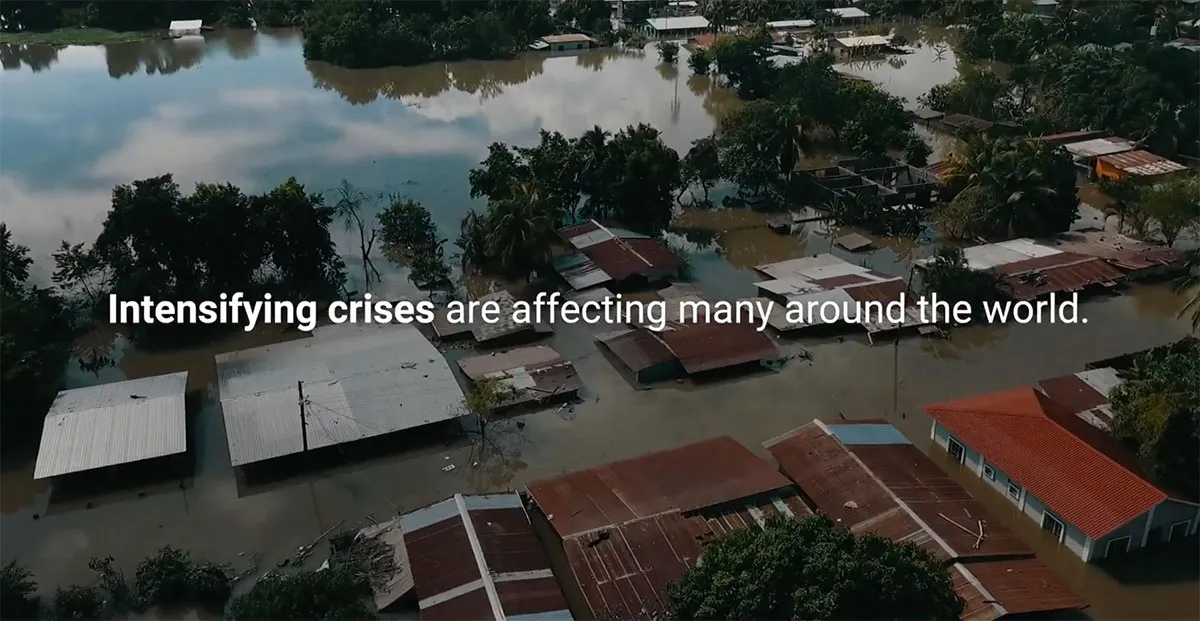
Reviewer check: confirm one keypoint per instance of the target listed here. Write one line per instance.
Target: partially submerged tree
(1156, 409)
(760, 143)
(1172, 207)
(36, 335)
(812, 568)
(350, 204)
(171, 578)
(950, 277)
(702, 165)
(335, 593)
(78, 603)
(1027, 188)
(668, 51)
(700, 61)
(409, 236)
(18, 592)
(1188, 285)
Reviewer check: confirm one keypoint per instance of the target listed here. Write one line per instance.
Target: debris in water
(448, 468)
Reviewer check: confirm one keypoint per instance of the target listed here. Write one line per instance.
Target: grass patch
(73, 36)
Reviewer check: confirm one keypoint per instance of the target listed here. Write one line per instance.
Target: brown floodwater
(247, 108)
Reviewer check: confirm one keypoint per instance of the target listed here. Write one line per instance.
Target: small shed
(113, 424)
(185, 27)
(1139, 166)
(525, 375)
(858, 46)
(854, 242)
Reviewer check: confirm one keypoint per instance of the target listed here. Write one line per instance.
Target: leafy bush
(17, 589)
(78, 603)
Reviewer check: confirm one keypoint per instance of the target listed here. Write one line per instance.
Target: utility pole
(896, 348)
(303, 422)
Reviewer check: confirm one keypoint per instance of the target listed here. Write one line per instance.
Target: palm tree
(1189, 286)
(520, 231)
(592, 146)
(1025, 180)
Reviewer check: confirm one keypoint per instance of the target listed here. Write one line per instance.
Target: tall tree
(642, 174)
(1173, 206)
(35, 344)
(349, 208)
(1156, 409)
(812, 568)
(1030, 185)
(702, 165)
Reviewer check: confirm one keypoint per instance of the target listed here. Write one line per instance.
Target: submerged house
(866, 476)
(1033, 270)
(563, 42)
(604, 255)
(185, 27)
(1063, 472)
(894, 185)
(677, 27)
(1138, 166)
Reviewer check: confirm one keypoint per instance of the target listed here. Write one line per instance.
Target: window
(1179, 530)
(989, 472)
(956, 450)
(1117, 547)
(1014, 491)
(1053, 525)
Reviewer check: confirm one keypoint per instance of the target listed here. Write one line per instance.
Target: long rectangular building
(868, 477)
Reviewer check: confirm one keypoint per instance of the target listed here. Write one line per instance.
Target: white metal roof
(799, 268)
(791, 23)
(1102, 380)
(864, 41)
(186, 24)
(849, 12)
(989, 256)
(110, 424)
(667, 24)
(838, 297)
(1098, 146)
(789, 286)
(358, 381)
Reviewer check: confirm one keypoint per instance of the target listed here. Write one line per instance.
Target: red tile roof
(1019, 431)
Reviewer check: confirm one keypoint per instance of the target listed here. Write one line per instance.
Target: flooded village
(499, 470)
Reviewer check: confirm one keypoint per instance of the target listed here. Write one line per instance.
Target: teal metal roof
(857, 435)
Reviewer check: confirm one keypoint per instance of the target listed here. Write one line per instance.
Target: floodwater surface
(247, 109)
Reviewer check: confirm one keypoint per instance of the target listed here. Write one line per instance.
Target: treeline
(171, 580)
(1093, 65)
(124, 15)
(378, 33)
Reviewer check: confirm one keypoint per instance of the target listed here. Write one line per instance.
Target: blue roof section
(857, 435)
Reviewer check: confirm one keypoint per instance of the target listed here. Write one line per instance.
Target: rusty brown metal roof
(1075, 136)
(834, 282)
(1129, 254)
(637, 349)
(1063, 271)
(687, 478)
(707, 347)
(965, 121)
(1024, 585)
(1072, 393)
(1142, 163)
(624, 573)
(887, 291)
(872, 480)
(622, 258)
(472, 557)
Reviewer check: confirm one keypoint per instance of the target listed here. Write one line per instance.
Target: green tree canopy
(1156, 409)
(813, 569)
(1026, 187)
(950, 277)
(332, 594)
(35, 345)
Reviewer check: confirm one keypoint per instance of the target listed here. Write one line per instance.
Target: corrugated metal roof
(358, 382)
(571, 232)
(864, 41)
(185, 24)
(111, 424)
(966, 121)
(622, 258)
(686, 478)
(1065, 137)
(799, 268)
(636, 349)
(580, 272)
(707, 347)
(477, 557)
(891, 488)
(1021, 431)
(689, 22)
(530, 373)
(1096, 147)
(849, 12)
(574, 37)
(1129, 254)
(1142, 163)
(791, 23)
(1065, 271)
(1072, 393)
(1103, 380)
(626, 574)
(484, 331)
(989, 256)
(534, 357)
